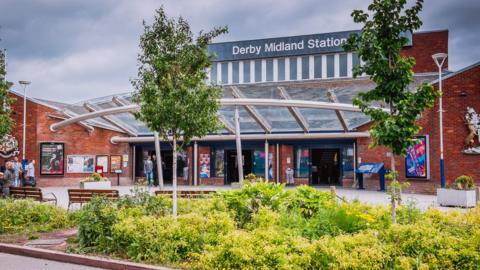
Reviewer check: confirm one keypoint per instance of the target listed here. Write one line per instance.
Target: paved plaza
(15, 262)
(422, 201)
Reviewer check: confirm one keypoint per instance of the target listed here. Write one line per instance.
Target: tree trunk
(393, 190)
(174, 177)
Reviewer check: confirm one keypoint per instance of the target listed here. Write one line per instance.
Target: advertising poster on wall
(416, 160)
(80, 164)
(52, 159)
(115, 163)
(103, 161)
(204, 165)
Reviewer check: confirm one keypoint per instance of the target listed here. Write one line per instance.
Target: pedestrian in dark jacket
(8, 179)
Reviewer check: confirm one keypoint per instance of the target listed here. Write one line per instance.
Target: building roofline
(453, 74)
(34, 100)
(431, 31)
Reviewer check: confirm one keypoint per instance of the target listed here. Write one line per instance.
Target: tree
(379, 46)
(6, 121)
(171, 89)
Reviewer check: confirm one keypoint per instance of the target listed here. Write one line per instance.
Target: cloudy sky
(73, 50)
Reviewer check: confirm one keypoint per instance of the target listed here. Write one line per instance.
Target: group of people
(16, 174)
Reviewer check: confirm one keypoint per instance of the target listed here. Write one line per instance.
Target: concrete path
(15, 262)
(423, 202)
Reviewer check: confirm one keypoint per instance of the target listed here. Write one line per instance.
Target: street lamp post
(24, 84)
(439, 59)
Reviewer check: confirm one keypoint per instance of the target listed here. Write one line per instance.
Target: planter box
(96, 185)
(454, 197)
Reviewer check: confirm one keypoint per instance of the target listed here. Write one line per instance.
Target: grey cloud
(73, 50)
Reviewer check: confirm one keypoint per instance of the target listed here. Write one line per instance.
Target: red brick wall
(424, 46)
(76, 138)
(460, 91)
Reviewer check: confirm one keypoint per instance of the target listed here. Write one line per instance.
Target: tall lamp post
(24, 84)
(439, 59)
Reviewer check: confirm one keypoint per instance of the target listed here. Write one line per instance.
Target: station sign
(283, 46)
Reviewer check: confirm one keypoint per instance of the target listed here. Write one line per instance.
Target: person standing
(17, 169)
(155, 170)
(31, 173)
(8, 178)
(148, 170)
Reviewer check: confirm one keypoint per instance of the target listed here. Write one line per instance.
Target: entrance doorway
(325, 168)
(167, 163)
(232, 168)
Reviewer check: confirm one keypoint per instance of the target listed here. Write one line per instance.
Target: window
(219, 163)
(330, 66)
(259, 163)
(305, 68)
(293, 68)
(343, 65)
(246, 71)
(258, 70)
(302, 159)
(355, 60)
(281, 69)
(224, 73)
(213, 73)
(269, 70)
(182, 167)
(348, 162)
(235, 70)
(317, 67)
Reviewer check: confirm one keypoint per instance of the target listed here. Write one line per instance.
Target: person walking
(17, 169)
(8, 178)
(31, 173)
(148, 170)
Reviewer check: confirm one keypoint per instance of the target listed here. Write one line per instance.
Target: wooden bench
(82, 196)
(187, 193)
(33, 193)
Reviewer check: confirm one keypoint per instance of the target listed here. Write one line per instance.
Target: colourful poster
(416, 159)
(80, 163)
(51, 158)
(204, 165)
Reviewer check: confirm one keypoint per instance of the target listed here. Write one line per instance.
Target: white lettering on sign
(246, 50)
(288, 46)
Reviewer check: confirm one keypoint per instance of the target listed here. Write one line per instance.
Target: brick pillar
(286, 161)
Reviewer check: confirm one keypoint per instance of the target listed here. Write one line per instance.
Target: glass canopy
(256, 119)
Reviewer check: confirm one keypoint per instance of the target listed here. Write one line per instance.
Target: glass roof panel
(247, 123)
(280, 118)
(321, 120)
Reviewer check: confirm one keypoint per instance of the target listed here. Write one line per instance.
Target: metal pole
(24, 120)
(442, 163)
(277, 164)
(354, 165)
(195, 163)
(239, 146)
(266, 162)
(159, 159)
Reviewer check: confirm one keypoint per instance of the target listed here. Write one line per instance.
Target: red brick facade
(77, 140)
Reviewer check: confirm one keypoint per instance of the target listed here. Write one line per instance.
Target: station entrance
(325, 167)
(232, 165)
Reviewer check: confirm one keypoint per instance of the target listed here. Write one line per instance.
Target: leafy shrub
(141, 198)
(169, 240)
(248, 200)
(27, 216)
(464, 182)
(95, 221)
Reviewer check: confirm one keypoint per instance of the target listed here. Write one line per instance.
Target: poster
(80, 164)
(204, 165)
(115, 163)
(52, 158)
(416, 165)
(103, 161)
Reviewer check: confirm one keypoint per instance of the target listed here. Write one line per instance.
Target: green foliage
(26, 216)
(6, 122)
(95, 221)
(94, 177)
(172, 92)
(264, 226)
(248, 200)
(379, 46)
(464, 182)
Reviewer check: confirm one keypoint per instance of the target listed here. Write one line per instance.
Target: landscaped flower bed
(264, 226)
